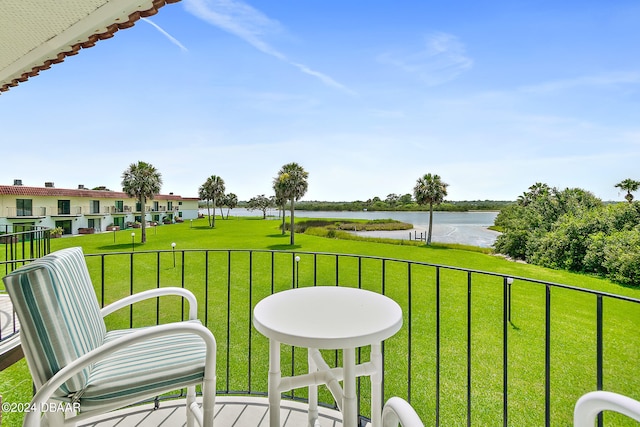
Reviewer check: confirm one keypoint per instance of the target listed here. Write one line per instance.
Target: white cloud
(442, 59)
(609, 79)
(252, 26)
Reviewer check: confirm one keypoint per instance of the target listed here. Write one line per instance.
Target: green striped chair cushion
(156, 366)
(59, 314)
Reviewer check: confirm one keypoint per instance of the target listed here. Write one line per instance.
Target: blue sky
(366, 95)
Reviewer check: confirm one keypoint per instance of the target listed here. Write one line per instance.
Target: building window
(24, 207)
(64, 207)
(119, 206)
(95, 206)
(138, 207)
(156, 206)
(169, 206)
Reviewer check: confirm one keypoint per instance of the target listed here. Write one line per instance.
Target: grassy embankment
(573, 349)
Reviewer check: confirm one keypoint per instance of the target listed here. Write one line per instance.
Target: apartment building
(82, 210)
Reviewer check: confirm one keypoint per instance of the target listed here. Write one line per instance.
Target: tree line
(574, 230)
(568, 229)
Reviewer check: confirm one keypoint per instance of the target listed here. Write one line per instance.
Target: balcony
(476, 348)
(33, 213)
(66, 211)
(114, 210)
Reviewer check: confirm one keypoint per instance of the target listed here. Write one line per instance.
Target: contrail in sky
(250, 25)
(167, 35)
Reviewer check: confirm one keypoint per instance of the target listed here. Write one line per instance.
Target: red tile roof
(20, 190)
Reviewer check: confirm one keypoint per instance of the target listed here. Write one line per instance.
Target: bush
(622, 257)
(573, 230)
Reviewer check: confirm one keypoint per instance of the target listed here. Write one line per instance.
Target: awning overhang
(35, 34)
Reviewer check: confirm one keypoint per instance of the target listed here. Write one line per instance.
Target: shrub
(621, 257)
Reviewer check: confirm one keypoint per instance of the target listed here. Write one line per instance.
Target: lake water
(468, 228)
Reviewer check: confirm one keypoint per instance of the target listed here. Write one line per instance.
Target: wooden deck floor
(230, 412)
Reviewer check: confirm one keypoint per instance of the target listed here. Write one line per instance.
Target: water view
(467, 228)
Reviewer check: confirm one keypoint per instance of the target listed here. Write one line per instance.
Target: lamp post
(133, 237)
(297, 259)
(191, 222)
(173, 249)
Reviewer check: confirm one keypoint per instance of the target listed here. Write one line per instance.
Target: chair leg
(191, 398)
(208, 401)
(53, 419)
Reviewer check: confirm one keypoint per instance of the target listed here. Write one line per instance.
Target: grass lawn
(572, 328)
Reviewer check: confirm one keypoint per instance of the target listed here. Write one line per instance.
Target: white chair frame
(203, 417)
(591, 404)
(398, 411)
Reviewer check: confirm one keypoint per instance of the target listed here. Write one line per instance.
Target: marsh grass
(233, 282)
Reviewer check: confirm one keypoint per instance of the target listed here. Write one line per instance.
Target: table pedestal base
(321, 374)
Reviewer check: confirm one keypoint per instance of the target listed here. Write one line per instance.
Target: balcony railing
(476, 348)
(20, 243)
(38, 212)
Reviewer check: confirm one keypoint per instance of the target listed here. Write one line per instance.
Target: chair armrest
(32, 419)
(591, 404)
(154, 293)
(399, 411)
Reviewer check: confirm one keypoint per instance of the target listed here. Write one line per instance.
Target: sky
(368, 96)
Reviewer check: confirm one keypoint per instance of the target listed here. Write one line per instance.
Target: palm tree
(280, 199)
(292, 181)
(430, 189)
(142, 181)
(230, 201)
(212, 191)
(629, 185)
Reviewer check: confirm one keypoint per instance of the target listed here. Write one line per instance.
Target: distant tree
(292, 184)
(406, 199)
(230, 201)
(212, 191)
(260, 203)
(430, 190)
(629, 185)
(142, 181)
(392, 199)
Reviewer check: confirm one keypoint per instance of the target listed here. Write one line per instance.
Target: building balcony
(476, 348)
(114, 210)
(37, 212)
(71, 211)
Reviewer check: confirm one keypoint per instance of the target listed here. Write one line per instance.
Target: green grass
(572, 327)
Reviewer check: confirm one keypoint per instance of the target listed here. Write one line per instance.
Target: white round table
(328, 317)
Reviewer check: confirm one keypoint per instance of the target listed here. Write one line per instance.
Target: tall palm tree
(280, 198)
(212, 191)
(142, 181)
(293, 183)
(204, 192)
(430, 189)
(629, 185)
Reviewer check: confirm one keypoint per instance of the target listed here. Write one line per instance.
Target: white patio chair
(591, 404)
(398, 411)
(75, 362)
